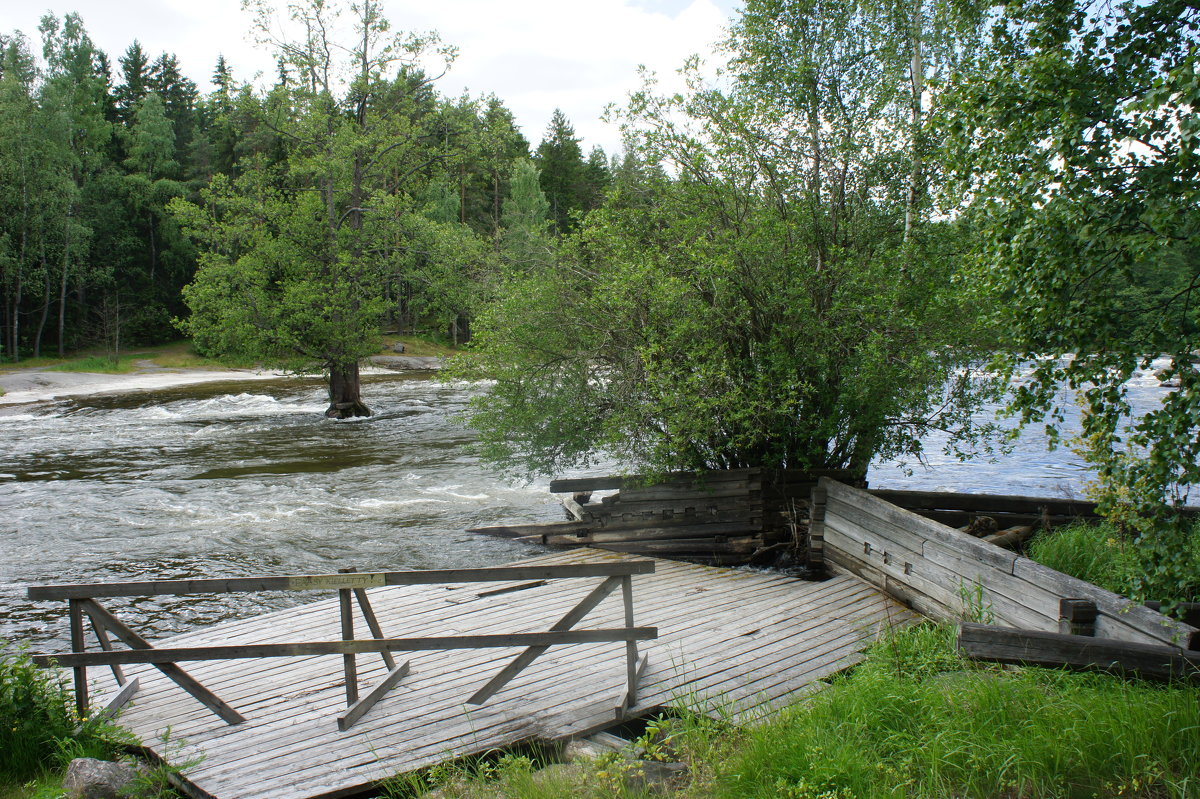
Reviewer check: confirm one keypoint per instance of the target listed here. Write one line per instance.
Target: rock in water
(88, 778)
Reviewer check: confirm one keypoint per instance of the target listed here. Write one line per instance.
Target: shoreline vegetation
(145, 368)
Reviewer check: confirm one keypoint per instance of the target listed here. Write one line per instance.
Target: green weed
(38, 724)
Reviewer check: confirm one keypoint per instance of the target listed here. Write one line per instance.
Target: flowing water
(248, 478)
(235, 479)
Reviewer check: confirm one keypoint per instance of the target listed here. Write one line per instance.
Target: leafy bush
(38, 723)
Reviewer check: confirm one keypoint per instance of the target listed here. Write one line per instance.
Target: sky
(535, 55)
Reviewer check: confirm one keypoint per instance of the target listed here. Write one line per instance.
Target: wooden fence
(947, 574)
(351, 588)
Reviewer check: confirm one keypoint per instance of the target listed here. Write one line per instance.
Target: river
(247, 478)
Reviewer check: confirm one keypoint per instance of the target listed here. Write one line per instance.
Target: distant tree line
(93, 154)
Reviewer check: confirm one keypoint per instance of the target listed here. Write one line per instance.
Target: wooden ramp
(733, 643)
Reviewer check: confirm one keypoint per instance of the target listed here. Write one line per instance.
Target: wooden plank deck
(731, 643)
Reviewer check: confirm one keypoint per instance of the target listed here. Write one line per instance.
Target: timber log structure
(720, 518)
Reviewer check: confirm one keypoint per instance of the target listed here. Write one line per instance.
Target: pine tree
(135, 78)
(560, 159)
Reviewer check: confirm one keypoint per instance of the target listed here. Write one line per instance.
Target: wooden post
(349, 666)
(75, 607)
(364, 604)
(631, 652)
(1077, 617)
(816, 528)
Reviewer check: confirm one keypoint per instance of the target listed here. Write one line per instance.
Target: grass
(181, 355)
(916, 722)
(1100, 554)
(418, 346)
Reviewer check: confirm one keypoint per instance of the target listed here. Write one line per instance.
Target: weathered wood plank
(983, 503)
(572, 485)
(119, 699)
(606, 535)
(1037, 648)
(498, 640)
(336, 581)
(717, 621)
(1119, 617)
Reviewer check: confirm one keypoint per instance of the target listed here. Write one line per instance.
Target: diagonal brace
(101, 617)
(518, 664)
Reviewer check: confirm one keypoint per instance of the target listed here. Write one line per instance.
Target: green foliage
(1073, 143)
(916, 721)
(38, 725)
(1110, 558)
(563, 172)
(729, 306)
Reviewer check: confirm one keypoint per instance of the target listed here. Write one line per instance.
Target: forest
(93, 153)
(882, 216)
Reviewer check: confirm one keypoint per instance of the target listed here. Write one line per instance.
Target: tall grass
(916, 722)
(1101, 555)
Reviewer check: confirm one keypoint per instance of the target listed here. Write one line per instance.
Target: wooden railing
(351, 588)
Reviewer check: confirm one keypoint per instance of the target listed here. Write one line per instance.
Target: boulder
(406, 363)
(398, 347)
(88, 778)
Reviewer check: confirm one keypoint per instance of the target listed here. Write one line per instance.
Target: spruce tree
(560, 159)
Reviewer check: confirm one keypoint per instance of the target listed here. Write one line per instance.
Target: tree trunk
(37, 339)
(62, 290)
(917, 75)
(344, 399)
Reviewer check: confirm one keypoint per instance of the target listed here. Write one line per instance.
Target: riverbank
(39, 384)
(171, 366)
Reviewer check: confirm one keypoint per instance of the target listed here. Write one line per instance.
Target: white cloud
(535, 55)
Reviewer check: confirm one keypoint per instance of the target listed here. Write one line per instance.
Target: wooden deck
(733, 643)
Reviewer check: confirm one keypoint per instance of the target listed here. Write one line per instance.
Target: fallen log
(1011, 538)
(1078, 652)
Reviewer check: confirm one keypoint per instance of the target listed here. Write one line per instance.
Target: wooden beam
(75, 611)
(500, 640)
(692, 479)
(518, 664)
(101, 616)
(1077, 616)
(1190, 612)
(631, 650)
(1036, 648)
(356, 711)
(336, 581)
(106, 645)
(982, 503)
(119, 701)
